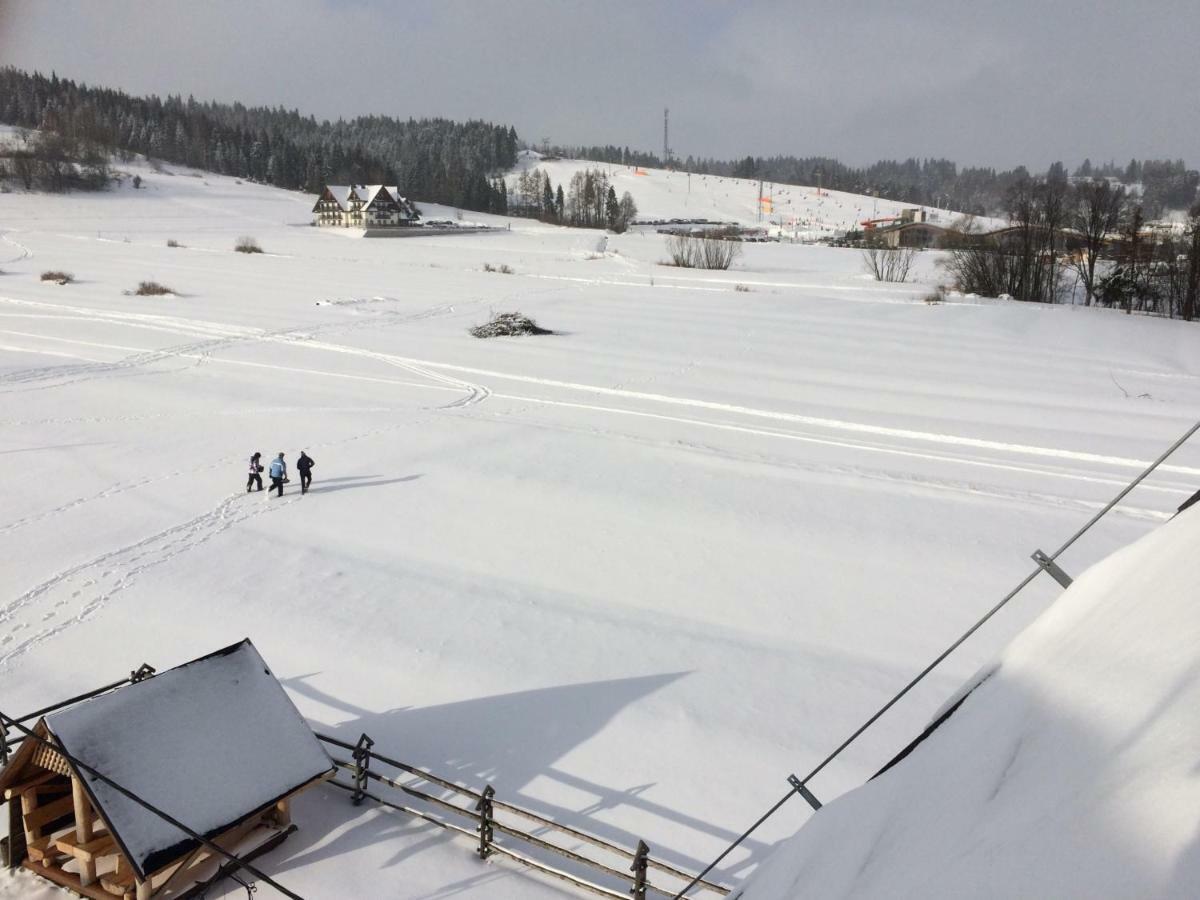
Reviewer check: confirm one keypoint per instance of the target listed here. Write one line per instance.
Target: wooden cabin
(216, 743)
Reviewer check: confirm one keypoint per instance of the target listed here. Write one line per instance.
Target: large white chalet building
(363, 206)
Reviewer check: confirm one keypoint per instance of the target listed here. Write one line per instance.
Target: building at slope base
(363, 206)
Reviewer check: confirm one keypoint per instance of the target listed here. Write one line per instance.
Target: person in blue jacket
(278, 473)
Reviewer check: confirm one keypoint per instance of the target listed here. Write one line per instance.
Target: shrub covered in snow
(247, 245)
(509, 325)
(58, 277)
(152, 289)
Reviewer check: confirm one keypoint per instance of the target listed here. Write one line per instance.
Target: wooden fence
(483, 819)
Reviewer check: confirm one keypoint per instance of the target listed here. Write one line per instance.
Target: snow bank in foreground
(1074, 771)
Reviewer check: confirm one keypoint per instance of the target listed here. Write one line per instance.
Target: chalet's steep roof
(366, 192)
(341, 194)
(209, 742)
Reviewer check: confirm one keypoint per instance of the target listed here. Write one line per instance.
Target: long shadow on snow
(519, 737)
(319, 487)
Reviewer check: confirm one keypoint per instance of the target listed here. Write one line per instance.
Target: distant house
(363, 206)
(215, 743)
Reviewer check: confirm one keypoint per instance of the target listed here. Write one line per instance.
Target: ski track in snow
(24, 252)
(78, 593)
(199, 352)
(851, 472)
(437, 374)
(853, 435)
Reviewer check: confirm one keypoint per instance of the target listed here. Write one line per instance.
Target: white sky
(1025, 81)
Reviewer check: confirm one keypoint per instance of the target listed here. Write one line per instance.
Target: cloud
(1021, 82)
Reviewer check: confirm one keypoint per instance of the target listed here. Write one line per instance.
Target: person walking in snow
(278, 474)
(256, 468)
(304, 466)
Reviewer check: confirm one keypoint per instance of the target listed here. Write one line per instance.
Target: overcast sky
(996, 83)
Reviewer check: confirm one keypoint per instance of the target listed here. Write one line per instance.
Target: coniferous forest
(441, 161)
(437, 160)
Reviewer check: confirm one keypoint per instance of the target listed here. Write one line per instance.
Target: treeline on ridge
(1165, 184)
(437, 160)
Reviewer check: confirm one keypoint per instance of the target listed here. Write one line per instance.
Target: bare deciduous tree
(1191, 296)
(692, 251)
(889, 263)
(1096, 214)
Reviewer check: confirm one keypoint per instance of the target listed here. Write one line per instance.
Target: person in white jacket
(256, 468)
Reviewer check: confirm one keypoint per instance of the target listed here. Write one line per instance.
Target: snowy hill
(632, 574)
(1070, 772)
(794, 211)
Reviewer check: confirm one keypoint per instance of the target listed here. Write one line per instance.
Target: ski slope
(792, 211)
(632, 574)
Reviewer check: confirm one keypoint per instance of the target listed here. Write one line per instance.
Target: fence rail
(481, 808)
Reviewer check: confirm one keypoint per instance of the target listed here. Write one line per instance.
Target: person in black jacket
(304, 466)
(255, 472)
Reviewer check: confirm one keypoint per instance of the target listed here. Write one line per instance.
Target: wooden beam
(118, 882)
(227, 841)
(18, 789)
(69, 880)
(83, 829)
(55, 809)
(104, 845)
(39, 848)
(28, 805)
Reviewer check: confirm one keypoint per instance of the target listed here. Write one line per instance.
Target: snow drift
(1072, 771)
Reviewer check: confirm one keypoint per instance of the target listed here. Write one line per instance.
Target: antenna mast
(666, 142)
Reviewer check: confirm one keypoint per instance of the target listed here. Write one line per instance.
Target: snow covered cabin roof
(210, 742)
(341, 193)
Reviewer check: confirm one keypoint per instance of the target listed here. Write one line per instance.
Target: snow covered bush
(152, 289)
(247, 245)
(174, 243)
(508, 325)
(58, 277)
(503, 268)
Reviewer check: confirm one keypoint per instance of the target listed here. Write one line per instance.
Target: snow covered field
(633, 574)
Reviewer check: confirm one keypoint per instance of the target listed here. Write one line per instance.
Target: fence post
(362, 762)
(486, 814)
(641, 858)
